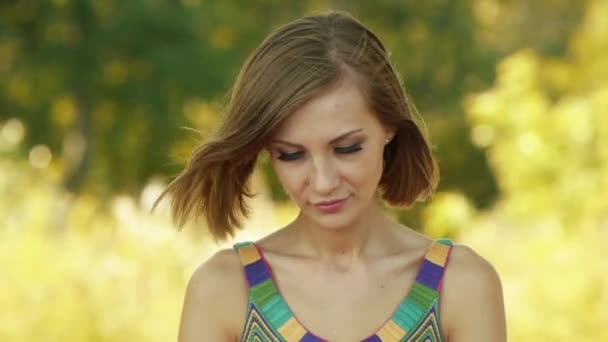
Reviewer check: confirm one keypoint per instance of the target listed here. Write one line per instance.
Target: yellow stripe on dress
(438, 254)
(249, 254)
(391, 332)
(292, 330)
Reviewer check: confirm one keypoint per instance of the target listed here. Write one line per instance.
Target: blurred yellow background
(93, 95)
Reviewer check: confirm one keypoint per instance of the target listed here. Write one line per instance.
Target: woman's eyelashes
(289, 156)
(284, 156)
(348, 149)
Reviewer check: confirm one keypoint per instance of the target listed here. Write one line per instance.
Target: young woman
(321, 97)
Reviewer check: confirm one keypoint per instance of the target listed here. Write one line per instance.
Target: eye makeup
(349, 149)
(284, 156)
(290, 156)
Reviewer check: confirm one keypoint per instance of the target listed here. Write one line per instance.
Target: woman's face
(328, 155)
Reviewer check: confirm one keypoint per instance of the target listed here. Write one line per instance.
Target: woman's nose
(323, 177)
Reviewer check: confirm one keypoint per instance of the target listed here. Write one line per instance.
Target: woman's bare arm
(215, 303)
(472, 299)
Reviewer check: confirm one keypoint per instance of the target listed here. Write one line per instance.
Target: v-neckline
(371, 337)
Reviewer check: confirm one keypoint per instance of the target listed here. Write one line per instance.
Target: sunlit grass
(73, 272)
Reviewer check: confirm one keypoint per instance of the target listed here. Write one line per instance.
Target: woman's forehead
(339, 108)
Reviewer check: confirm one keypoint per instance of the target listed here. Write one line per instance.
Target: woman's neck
(342, 246)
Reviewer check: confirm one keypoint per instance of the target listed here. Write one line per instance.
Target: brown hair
(291, 66)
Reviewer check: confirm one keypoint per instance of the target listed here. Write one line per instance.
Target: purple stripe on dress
(374, 338)
(256, 273)
(310, 338)
(430, 274)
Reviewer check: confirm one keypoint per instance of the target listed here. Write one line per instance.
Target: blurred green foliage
(107, 85)
(544, 127)
(118, 79)
(117, 277)
(94, 95)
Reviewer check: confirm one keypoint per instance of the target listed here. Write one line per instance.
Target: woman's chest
(347, 306)
(387, 301)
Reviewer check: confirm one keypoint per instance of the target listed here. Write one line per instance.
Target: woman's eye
(284, 156)
(289, 156)
(349, 149)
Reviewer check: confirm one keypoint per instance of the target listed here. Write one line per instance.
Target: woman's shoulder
(471, 293)
(466, 268)
(220, 278)
(223, 265)
(217, 290)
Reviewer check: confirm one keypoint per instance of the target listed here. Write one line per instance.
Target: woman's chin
(340, 221)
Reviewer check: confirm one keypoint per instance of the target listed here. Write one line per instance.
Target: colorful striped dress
(270, 319)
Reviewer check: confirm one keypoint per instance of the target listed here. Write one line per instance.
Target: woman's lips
(330, 207)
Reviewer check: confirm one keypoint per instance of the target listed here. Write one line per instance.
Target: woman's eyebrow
(340, 137)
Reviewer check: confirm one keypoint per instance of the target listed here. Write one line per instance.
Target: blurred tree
(107, 84)
(544, 127)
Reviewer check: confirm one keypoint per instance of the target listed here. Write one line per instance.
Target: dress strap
(265, 298)
(418, 309)
(434, 264)
(254, 264)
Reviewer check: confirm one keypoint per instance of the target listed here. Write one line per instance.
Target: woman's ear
(389, 135)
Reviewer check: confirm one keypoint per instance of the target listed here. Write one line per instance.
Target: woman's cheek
(370, 169)
(291, 179)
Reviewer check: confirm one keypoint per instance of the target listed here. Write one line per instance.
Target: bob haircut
(294, 64)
